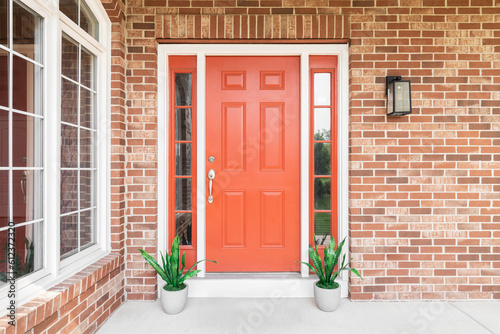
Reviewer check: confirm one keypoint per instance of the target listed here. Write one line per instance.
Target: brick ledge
(47, 304)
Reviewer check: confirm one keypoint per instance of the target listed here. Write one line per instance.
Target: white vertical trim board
(224, 287)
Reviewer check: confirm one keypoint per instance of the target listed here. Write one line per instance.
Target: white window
(54, 140)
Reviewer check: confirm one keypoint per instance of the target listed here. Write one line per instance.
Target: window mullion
(78, 102)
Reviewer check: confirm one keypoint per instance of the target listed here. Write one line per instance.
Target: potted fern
(326, 290)
(175, 291)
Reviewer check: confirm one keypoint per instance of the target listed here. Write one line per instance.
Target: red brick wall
(80, 304)
(424, 188)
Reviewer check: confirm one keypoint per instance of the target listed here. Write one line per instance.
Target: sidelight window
(183, 153)
(323, 149)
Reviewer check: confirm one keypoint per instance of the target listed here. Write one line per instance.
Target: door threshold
(258, 275)
(255, 285)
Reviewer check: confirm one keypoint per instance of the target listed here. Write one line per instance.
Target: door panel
(253, 133)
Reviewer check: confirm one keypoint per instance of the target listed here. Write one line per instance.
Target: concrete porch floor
(300, 315)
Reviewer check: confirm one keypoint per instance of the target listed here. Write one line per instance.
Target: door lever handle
(211, 176)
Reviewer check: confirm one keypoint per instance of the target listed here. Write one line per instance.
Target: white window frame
(55, 270)
(301, 50)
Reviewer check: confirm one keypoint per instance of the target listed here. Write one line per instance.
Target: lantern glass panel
(401, 96)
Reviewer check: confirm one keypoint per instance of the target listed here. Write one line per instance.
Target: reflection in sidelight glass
(183, 159)
(183, 89)
(322, 227)
(183, 194)
(322, 89)
(322, 158)
(183, 227)
(322, 193)
(183, 124)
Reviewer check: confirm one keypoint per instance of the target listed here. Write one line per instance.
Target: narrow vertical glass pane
(183, 124)
(4, 25)
(26, 34)
(69, 101)
(86, 189)
(87, 108)
(69, 59)
(183, 89)
(183, 159)
(183, 227)
(87, 69)
(86, 148)
(26, 195)
(88, 22)
(322, 194)
(87, 219)
(183, 194)
(4, 78)
(27, 141)
(69, 234)
(4, 200)
(322, 158)
(390, 98)
(322, 229)
(322, 89)
(322, 124)
(70, 9)
(69, 146)
(69, 191)
(4, 138)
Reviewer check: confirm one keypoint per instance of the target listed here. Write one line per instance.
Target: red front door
(253, 133)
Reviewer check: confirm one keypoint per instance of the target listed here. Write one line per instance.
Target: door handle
(211, 176)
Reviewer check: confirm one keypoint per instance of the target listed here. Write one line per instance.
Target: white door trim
(302, 50)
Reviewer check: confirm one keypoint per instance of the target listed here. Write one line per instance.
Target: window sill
(54, 300)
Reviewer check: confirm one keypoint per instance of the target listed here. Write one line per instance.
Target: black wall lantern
(398, 96)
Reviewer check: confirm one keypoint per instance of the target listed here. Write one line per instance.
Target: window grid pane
(77, 150)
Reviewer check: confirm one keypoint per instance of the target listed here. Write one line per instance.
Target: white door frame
(302, 50)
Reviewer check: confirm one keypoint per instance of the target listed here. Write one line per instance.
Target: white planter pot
(173, 302)
(327, 299)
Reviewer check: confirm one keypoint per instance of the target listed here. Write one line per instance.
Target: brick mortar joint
(112, 260)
